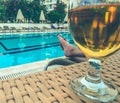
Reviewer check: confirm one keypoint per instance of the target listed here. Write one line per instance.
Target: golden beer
(96, 29)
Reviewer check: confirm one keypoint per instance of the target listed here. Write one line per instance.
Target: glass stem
(93, 75)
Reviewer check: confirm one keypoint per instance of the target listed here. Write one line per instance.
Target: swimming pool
(17, 49)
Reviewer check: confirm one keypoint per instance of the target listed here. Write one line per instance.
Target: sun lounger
(1, 29)
(6, 29)
(13, 29)
(37, 29)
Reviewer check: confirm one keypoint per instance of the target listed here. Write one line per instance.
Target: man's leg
(69, 49)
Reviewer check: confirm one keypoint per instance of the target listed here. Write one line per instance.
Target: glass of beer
(95, 28)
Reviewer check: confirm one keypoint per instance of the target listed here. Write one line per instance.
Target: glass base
(101, 91)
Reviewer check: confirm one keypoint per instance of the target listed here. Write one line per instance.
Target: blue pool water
(17, 49)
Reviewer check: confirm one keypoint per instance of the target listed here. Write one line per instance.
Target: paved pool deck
(19, 70)
(28, 25)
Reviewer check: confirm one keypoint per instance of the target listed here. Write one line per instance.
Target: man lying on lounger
(72, 52)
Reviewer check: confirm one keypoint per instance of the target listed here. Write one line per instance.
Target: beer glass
(95, 28)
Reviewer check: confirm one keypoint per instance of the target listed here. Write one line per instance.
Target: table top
(52, 86)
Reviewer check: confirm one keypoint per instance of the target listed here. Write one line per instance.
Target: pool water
(17, 49)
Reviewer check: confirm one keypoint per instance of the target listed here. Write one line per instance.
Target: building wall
(50, 4)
